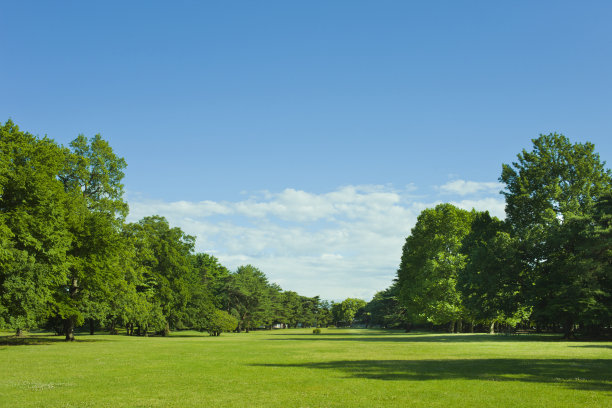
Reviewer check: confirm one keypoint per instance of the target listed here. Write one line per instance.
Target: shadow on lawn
(604, 346)
(579, 374)
(38, 340)
(414, 338)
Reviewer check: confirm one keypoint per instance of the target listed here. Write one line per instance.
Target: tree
(212, 274)
(248, 294)
(431, 261)
(547, 190)
(92, 178)
(34, 236)
(346, 311)
(168, 272)
(220, 321)
(324, 313)
(292, 312)
(490, 281)
(385, 310)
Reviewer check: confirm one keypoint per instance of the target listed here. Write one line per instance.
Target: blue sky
(305, 137)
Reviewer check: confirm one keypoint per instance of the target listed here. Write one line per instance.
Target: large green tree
(33, 226)
(248, 292)
(547, 190)
(212, 274)
(91, 177)
(385, 309)
(168, 275)
(431, 261)
(346, 311)
(489, 282)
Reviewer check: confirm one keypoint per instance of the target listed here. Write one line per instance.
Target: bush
(220, 322)
(316, 331)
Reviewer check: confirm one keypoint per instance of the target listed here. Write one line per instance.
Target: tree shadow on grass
(579, 374)
(40, 340)
(604, 346)
(414, 338)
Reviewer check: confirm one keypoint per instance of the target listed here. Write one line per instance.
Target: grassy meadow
(294, 368)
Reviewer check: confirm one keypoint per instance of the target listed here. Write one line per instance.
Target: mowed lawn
(294, 368)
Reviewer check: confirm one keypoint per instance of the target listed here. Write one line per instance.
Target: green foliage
(316, 331)
(489, 282)
(430, 264)
(169, 276)
(551, 193)
(556, 179)
(549, 261)
(34, 237)
(212, 274)
(67, 254)
(385, 309)
(220, 321)
(248, 294)
(344, 313)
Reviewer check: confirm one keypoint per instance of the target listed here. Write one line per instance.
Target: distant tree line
(69, 259)
(547, 266)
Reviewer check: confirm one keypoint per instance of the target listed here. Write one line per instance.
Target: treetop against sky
(306, 139)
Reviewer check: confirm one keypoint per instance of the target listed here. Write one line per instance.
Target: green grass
(294, 368)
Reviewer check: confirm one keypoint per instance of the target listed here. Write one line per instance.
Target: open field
(293, 368)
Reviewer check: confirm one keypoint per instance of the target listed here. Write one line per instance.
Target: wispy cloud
(462, 187)
(346, 242)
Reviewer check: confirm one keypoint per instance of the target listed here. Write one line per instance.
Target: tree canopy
(68, 256)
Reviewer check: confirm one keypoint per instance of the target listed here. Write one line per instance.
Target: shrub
(220, 322)
(316, 331)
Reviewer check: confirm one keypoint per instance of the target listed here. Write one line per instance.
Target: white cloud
(462, 187)
(495, 206)
(343, 243)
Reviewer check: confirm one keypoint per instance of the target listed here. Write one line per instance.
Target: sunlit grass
(338, 368)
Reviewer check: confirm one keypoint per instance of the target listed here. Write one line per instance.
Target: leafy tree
(248, 294)
(431, 261)
(546, 189)
(168, 272)
(33, 229)
(574, 282)
(346, 311)
(212, 274)
(489, 282)
(385, 310)
(291, 308)
(310, 311)
(324, 313)
(556, 179)
(220, 321)
(92, 177)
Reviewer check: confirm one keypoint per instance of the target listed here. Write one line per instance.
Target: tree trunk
(19, 332)
(569, 329)
(69, 328)
(460, 325)
(451, 326)
(92, 326)
(70, 320)
(166, 330)
(471, 326)
(492, 328)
